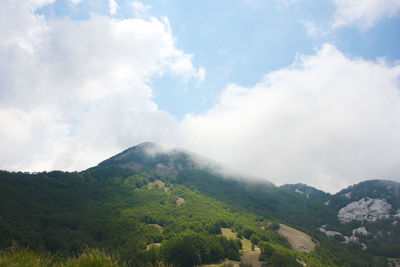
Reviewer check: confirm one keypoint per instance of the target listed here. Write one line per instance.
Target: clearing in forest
(224, 263)
(158, 227)
(180, 201)
(158, 183)
(228, 233)
(248, 256)
(251, 257)
(298, 240)
(153, 245)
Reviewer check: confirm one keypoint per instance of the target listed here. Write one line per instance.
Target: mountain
(153, 156)
(367, 214)
(154, 205)
(307, 191)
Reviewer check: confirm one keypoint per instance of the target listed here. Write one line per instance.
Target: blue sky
(284, 90)
(240, 41)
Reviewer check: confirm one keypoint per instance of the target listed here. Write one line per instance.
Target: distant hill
(154, 205)
(367, 214)
(151, 156)
(307, 191)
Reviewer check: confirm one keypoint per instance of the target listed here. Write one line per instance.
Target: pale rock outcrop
(361, 231)
(366, 209)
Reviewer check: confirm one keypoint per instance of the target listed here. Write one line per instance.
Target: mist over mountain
(308, 191)
(273, 126)
(149, 203)
(152, 155)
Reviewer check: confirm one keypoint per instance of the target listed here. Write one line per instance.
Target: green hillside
(156, 209)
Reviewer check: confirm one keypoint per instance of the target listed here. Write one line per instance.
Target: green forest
(122, 216)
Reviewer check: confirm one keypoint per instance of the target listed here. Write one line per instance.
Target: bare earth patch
(148, 247)
(298, 240)
(158, 183)
(228, 233)
(226, 262)
(248, 256)
(251, 257)
(158, 227)
(180, 201)
(246, 244)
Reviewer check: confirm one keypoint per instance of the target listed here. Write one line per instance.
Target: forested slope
(161, 207)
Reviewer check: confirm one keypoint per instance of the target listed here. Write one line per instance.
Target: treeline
(192, 249)
(116, 210)
(275, 257)
(63, 213)
(262, 199)
(186, 250)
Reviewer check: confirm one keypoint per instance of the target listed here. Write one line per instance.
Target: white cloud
(328, 120)
(364, 13)
(26, 135)
(284, 4)
(312, 29)
(19, 27)
(139, 8)
(75, 92)
(113, 6)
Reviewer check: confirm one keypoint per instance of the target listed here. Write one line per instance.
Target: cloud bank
(327, 120)
(76, 92)
(72, 92)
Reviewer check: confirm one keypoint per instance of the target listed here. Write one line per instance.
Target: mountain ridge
(122, 203)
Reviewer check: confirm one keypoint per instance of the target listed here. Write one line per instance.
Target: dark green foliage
(28, 258)
(283, 260)
(112, 207)
(65, 212)
(307, 191)
(70, 211)
(266, 250)
(274, 257)
(24, 258)
(232, 248)
(274, 226)
(254, 239)
(191, 249)
(263, 199)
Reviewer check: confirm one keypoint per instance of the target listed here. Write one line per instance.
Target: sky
(284, 90)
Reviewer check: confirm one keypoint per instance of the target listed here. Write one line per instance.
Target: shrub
(93, 258)
(24, 258)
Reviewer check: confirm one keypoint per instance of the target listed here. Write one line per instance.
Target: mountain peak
(307, 191)
(145, 146)
(144, 154)
(151, 155)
